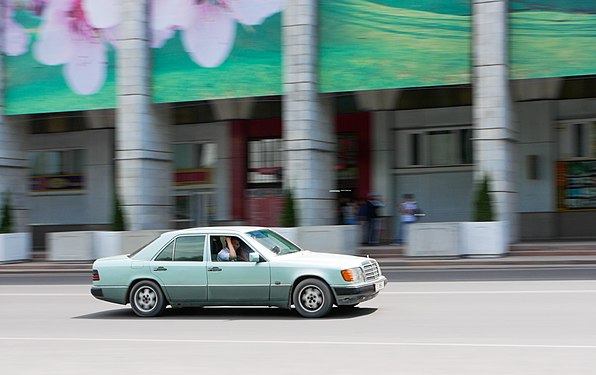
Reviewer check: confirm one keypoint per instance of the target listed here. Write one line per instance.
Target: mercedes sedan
(234, 266)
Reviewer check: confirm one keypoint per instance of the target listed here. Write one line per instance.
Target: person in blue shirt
(407, 209)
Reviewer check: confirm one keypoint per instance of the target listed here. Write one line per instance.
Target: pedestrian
(373, 206)
(408, 209)
(349, 212)
(363, 220)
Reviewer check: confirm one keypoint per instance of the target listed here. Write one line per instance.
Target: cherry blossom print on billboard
(16, 39)
(75, 34)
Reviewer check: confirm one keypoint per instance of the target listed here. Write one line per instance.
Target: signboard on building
(576, 185)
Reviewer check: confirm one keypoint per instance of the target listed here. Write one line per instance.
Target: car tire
(312, 298)
(147, 299)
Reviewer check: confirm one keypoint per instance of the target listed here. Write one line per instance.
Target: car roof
(206, 230)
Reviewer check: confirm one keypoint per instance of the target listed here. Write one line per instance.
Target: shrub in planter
(6, 224)
(288, 214)
(483, 205)
(13, 246)
(118, 223)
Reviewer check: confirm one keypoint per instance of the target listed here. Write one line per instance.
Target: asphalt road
(431, 327)
(401, 274)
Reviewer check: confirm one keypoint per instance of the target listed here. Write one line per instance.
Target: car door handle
(160, 268)
(213, 269)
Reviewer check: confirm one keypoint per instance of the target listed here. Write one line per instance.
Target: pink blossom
(162, 19)
(209, 26)
(16, 39)
(75, 33)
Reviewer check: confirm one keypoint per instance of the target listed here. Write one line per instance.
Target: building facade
(202, 113)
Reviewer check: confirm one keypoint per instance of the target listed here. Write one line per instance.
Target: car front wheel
(147, 299)
(312, 298)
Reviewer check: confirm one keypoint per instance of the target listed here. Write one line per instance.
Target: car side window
(189, 249)
(167, 253)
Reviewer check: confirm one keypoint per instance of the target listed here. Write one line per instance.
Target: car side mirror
(254, 257)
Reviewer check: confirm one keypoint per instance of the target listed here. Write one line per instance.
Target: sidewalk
(528, 254)
(538, 254)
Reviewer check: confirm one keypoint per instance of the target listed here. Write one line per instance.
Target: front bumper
(351, 295)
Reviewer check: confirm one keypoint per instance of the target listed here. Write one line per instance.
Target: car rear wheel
(147, 299)
(312, 298)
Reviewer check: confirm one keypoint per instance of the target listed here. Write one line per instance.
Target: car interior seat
(216, 246)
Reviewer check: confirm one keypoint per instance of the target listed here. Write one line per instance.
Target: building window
(195, 163)
(577, 140)
(265, 161)
(58, 122)
(57, 170)
(435, 147)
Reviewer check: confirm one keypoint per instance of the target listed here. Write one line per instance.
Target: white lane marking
(447, 292)
(286, 342)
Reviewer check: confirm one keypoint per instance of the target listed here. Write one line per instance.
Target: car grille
(371, 270)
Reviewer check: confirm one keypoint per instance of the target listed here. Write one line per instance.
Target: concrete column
(308, 131)
(14, 177)
(495, 134)
(143, 147)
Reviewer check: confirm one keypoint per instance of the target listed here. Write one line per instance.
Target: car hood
(312, 257)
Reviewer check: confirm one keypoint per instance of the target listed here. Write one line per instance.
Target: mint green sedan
(234, 266)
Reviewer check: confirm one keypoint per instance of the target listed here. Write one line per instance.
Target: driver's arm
(231, 248)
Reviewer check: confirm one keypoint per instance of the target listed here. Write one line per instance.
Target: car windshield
(274, 242)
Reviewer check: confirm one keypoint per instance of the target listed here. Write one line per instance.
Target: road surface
(431, 327)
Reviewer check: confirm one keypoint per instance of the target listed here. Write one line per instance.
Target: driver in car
(233, 251)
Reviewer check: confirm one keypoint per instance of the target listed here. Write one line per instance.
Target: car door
(181, 268)
(238, 282)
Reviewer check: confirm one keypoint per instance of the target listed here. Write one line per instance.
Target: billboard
(552, 38)
(60, 55)
(381, 44)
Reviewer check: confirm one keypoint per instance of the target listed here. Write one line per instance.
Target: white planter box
(451, 239)
(483, 238)
(110, 243)
(339, 239)
(15, 246)
(433, 239)
(291, 233)
(135, 239)
(91, 245)
(107, 244)
(70, 245)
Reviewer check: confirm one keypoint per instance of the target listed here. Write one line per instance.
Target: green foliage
(6, 224)
(483, 206)
(288, 214)
(118, 223)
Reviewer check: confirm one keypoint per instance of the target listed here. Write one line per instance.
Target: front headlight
(353, 275)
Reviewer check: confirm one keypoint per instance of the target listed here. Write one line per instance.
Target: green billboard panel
(369, 45)
(552, 38)
(217, 49)
(60, 54)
